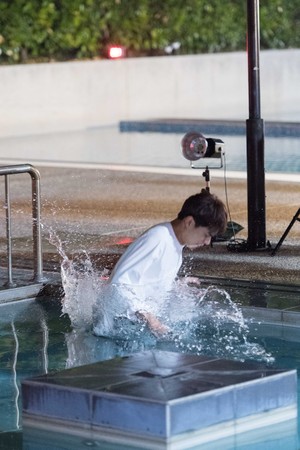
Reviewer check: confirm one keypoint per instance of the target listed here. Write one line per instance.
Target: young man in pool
(149, 266)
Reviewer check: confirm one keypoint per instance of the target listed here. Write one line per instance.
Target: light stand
(197, 149)
(206, 176)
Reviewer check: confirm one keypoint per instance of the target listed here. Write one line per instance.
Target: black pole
(255, 137)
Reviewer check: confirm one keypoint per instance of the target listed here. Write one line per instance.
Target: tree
(43, 30)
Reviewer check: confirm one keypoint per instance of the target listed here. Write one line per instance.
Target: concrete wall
(42, 98)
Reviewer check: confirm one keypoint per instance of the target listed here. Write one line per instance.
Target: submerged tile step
(20, 292)
(159, 394)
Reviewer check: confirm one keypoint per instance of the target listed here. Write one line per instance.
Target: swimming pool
(36, 338)
(107, 145)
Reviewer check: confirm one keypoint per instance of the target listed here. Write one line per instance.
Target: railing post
(9, 282)
(36, 225)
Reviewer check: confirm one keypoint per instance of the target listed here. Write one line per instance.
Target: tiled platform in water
(162, 396)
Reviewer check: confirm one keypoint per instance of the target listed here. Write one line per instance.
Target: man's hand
(155, 325)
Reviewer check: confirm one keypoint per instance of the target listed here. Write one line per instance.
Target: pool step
(20, 292)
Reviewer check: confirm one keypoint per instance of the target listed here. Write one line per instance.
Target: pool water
(36, 338)
(107, 145)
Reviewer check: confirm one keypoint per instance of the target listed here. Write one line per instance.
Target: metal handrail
(36, 218)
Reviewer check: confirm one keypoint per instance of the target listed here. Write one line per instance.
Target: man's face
(196, 236)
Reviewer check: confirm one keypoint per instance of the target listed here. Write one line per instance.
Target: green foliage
(280, 21)
(45, 30)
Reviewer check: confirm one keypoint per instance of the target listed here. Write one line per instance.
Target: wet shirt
(140, 280)
(151, 263)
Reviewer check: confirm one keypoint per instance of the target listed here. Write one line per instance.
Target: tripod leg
(296, 217)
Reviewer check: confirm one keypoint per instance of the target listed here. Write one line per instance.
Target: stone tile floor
(100, 211)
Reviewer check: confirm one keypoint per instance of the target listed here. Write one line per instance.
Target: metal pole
(36, 225)
(10, 282)
(255, 137)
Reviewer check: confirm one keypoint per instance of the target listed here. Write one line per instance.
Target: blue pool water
(36, 338)
(107, 145)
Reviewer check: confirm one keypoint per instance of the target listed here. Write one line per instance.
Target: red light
(116, 52)
(124, 241)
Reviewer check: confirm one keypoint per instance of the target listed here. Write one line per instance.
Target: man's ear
(189, 221)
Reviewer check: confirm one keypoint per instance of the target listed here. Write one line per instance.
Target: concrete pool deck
(100, 211)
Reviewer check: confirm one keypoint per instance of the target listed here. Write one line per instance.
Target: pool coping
(287, 316)
(180, 125)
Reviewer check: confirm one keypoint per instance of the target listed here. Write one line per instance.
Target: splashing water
(201, 321)
(217, 327)
(81, 284)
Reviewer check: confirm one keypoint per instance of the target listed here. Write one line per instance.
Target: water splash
(81, 284)
(207, 321)
(201, 320)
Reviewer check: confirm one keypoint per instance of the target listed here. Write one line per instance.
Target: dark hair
(207, 210)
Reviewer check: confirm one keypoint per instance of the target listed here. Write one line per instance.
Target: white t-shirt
(141, 278)
(152, 259)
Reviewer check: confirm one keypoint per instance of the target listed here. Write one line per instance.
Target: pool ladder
(7, 171)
